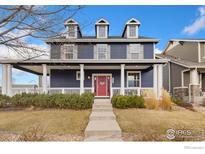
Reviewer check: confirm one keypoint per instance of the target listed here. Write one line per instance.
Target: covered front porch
(129, 78)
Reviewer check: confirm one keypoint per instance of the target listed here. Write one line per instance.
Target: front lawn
(151, 125)
(57, 122)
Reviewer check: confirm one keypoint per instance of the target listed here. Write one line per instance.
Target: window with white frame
(203, 48)
(68, 51)
(102, 31)
(132, 31)
(133, 79)
(77, 75)
(71, 31)
(102, 51)
(135, 51)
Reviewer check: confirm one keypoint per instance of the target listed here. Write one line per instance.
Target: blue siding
(85, 51)
(118, 51)
(147, 78)
(67, 78)
(148, 50)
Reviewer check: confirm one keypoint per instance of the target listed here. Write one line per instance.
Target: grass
(51, 121)
(145, 123)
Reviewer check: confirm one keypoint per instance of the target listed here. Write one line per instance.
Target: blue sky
(162, 22)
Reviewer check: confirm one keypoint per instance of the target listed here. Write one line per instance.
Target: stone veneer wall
(180, 92)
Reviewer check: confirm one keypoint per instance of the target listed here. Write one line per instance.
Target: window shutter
(141, 51)
(128, 51)
(108, 52)
(95, 52)
(62, 51)
(75, 52)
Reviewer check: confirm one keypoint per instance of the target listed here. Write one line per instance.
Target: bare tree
(20, 25)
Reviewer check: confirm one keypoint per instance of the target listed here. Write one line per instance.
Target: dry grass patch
(144, 124)
(51, 121)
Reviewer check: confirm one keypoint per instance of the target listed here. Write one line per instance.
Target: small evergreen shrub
(61, 101)
(4, 101)
(127, 101)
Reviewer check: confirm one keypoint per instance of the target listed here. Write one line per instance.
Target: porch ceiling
(38, 70)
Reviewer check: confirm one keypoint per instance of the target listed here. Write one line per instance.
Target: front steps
(102, 124)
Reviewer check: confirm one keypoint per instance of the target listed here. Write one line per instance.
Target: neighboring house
(184, 75)
(103, 64)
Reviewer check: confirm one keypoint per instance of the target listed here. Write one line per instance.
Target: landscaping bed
(151, 125)
(58, 101)
(43, 125)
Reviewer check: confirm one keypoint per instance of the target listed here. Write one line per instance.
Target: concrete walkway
(102, 124)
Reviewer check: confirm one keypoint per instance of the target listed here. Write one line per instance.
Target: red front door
(102, 85)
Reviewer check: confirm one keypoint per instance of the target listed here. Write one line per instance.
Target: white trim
(200, 80)
(153, 50)
(122, 79)
(169, 67)
(102, 74)
(44, 84)
(81, 78)
(139, 78)
(75, 31)
(199, 52)
(77, 72)
(98, 31)
(107, 51)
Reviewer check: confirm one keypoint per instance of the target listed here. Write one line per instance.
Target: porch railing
(64, 90)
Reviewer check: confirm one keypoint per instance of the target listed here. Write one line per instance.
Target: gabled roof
(102, 21)
(70, 21)
(133, 21)
(170, 42)
(181, 62)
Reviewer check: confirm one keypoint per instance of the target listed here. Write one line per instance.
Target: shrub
(127, 101)
(177, 101)
(165, 103)
(62, 101)
(151, 101)
(4, 101)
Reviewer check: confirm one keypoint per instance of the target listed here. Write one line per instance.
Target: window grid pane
(102, 52)
(133, 79)
(68, 51)
(71, 31)
(101, 31)
(132, 31)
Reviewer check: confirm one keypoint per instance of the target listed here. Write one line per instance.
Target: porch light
(88, 77)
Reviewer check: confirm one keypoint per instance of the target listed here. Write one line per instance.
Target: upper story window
(203, 48)
(102, 31)
(135, 51)
(71, 31)
(102, 51)
(68, 51)
(133, 79)
(132, 31)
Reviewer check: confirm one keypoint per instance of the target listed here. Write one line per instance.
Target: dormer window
(102, 31)
(102, 28)
(131, 29)
(72, 29)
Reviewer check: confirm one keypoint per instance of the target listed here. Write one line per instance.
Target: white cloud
(157, 51)
(198, 24)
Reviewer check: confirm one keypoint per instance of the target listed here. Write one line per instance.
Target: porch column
(122, 88)
(160, 79)
(155, 79)
(194, 77)
(9, 79)
(194, 86)
(44, 83)
(40, 81)
(4, 79)
(81, 79)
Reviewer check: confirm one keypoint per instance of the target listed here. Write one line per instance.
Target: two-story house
(184, 75)
(103, 64)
